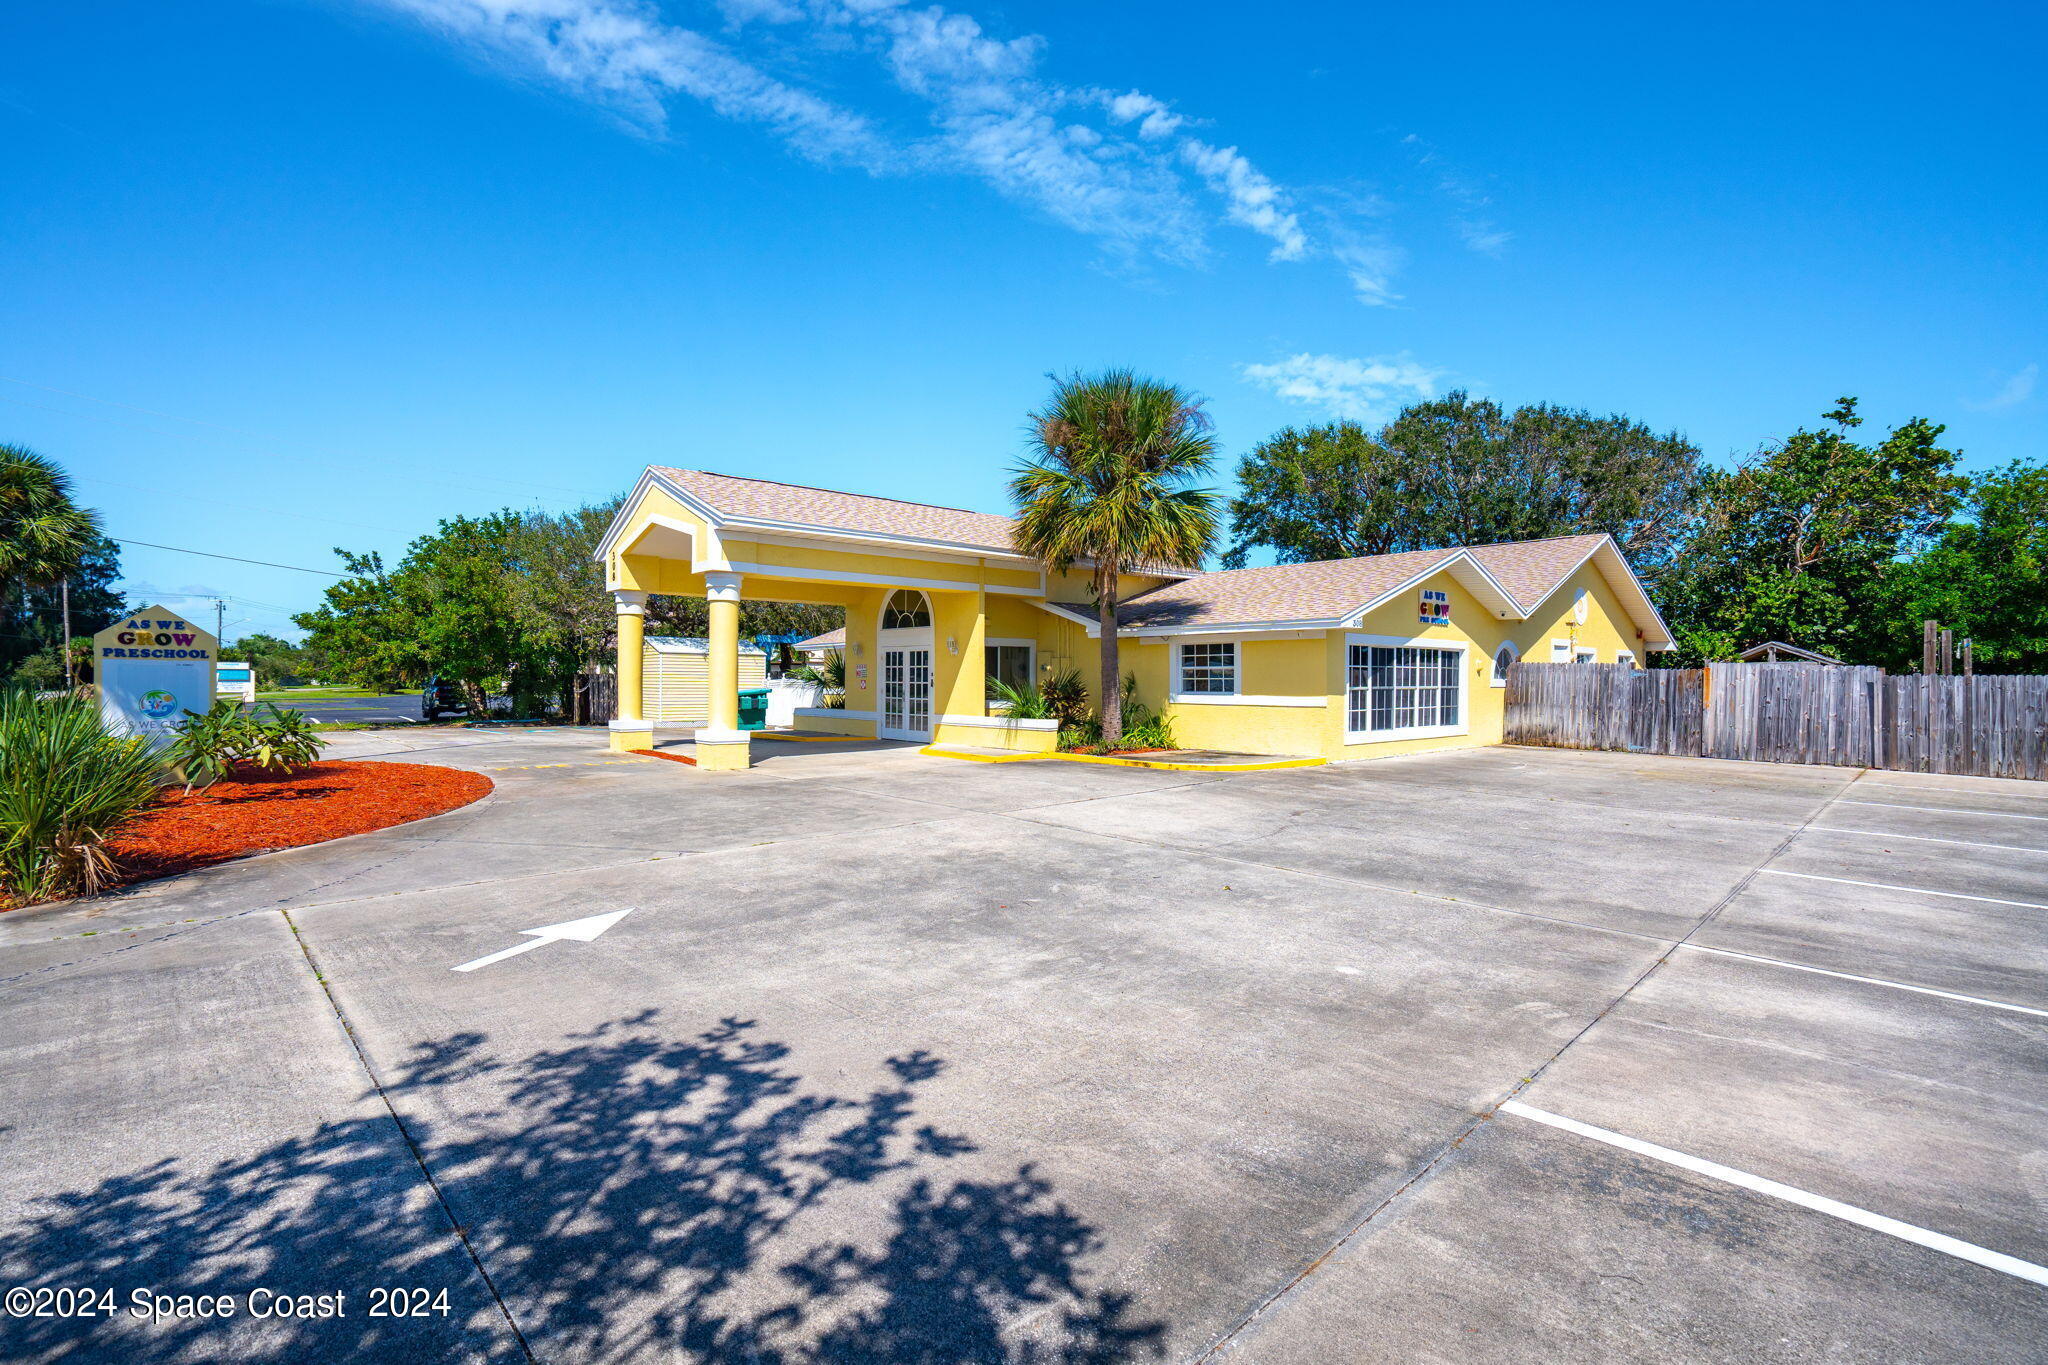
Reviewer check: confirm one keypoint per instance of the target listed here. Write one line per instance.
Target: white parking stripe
(1887, 886)
(1920, 838)
(1960, 791)
(1944, 810)
(1867, 980)
(1848, 1213)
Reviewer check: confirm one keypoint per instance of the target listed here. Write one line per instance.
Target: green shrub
(830, 676)
(1142, 729)
(284, 739)
(1066, 698)
(211, 744)
(66, 786)
(1020, 702)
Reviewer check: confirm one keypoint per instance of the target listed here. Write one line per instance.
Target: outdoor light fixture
(952, 645)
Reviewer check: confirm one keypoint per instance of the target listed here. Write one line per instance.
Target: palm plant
(1020, 701)
(829, 674)
(43, 533)
(1107, 483)
(66, 786)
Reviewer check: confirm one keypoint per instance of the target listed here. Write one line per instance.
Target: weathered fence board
(1788, 713)
(1604, 706)
(594, 699)
(1983, 726)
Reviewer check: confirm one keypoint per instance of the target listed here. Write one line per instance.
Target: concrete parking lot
(1498, 1054)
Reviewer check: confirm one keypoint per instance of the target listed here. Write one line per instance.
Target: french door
(906, 694)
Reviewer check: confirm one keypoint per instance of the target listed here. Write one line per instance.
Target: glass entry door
(906, 694)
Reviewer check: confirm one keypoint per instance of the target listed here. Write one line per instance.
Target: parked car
(440, 695)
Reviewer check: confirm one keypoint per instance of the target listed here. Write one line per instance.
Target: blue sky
(280, 275)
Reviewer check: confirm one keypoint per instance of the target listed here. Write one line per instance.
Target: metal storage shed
(675, 677)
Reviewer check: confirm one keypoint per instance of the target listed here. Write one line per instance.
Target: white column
(721, 744)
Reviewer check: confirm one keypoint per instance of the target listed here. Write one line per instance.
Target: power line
(208, 554)
(526, 485)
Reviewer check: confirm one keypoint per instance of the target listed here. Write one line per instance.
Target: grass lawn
(315, 693)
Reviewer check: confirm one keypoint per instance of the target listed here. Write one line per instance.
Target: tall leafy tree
(32, 619)
(1797, 543)
(1108, 482)
(1327, 492)
(43, 533)
(277, 661)
(1463, 471)
(513, 600)
(1986, 576)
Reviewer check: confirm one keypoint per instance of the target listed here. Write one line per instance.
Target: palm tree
(43, 533)
(1112, 455)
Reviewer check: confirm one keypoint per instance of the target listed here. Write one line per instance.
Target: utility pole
(220, 611)
(64, 598)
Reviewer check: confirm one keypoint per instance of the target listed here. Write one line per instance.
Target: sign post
(151, 668)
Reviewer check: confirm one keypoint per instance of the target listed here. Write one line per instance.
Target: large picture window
(1208, 669)
(1398, 689)
(1009, 664)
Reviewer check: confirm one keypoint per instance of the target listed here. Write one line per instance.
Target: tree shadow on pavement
(632, 1196)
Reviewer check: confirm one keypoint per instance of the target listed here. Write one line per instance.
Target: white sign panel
(151, 668)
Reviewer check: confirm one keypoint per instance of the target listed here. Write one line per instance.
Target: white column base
(707, 735)
(627, 735)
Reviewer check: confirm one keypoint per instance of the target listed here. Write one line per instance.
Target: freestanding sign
(151, 668)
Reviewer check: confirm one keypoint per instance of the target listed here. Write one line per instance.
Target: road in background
(405, 706)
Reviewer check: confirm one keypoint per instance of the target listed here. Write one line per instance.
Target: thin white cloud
(1131, 178)
(1366, 390)
(623, 54)
(2017, 389)
(1154, 119)
(1483, 237)
(1371, 265)
(1254, 201)
(1475, 228)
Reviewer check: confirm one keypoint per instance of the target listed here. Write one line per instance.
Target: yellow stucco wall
(965, 617)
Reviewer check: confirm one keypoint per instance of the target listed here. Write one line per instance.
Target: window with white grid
(1208, 669)
(1401, 688)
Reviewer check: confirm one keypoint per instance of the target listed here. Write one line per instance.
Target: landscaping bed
(256, 812)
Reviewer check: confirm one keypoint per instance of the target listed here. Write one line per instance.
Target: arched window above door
(906, 610)
(1504, 658)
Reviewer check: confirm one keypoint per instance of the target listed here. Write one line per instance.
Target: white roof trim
(1627, 585)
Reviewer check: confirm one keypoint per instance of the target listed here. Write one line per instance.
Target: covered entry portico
(919, 585)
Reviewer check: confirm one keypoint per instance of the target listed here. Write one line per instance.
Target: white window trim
(1585, 654)
(1560, 651)
(1234, 697)
(1459, 647)
(1625, 656)
(1241, 699)
(1492, 681)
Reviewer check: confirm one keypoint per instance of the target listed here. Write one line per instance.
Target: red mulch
(255, 812)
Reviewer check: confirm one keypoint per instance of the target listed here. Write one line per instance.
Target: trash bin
(753, 708)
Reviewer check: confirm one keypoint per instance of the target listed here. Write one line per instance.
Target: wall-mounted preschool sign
(151, 668)
(1436, 608)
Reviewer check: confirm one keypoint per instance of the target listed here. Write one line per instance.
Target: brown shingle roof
(821, 507)
(1320, 591)
(831, 639)
(1531, 569)
(1330, 589)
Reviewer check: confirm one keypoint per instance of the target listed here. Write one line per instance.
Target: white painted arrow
(582, 930)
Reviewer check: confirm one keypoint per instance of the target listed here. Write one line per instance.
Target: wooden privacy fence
(1788, 713)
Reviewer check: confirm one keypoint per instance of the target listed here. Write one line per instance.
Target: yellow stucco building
(1349, 658)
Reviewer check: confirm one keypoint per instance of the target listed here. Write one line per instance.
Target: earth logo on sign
(156, 703)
